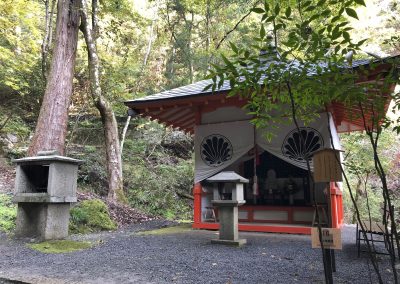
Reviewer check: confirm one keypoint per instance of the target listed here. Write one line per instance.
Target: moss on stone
(60, 246)
(91, 216)
(169, 230)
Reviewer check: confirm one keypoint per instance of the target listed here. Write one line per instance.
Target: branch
(5, 121)
(185, 195)
(235, 27)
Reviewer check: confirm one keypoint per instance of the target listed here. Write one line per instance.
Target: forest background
(146, 47)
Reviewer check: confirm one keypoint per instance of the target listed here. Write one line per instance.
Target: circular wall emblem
(215, 150)
(292, 145)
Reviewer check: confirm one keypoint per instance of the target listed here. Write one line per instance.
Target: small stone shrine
(45, 187)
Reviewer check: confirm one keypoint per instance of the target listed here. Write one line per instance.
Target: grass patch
(167, 231)
(61, 246)
(91, 216)
(8, 213)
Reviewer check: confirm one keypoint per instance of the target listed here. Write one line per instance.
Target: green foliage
(91, 216)
(301, 63)
(8, 213)
(19, 41)
(14, 125)
(160, 174)
(60, 246)
(360, 169)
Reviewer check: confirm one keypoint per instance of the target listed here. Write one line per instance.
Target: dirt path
(185, 257)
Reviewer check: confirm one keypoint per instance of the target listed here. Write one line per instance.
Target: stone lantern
(45, 186)
(227, 197)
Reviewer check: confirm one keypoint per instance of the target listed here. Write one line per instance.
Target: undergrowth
(157, 168)
(8, 213)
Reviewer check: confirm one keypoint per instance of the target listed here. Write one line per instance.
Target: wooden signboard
(327, 165)
(331, 238)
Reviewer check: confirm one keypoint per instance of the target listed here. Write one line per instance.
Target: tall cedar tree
(51, 128)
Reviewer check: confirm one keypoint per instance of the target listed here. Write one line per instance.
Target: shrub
(91, 216)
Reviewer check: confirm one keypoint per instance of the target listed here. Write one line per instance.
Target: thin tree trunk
(356, 197)
(51, 128)
(49, 12)
(190, 52)
(110, 126)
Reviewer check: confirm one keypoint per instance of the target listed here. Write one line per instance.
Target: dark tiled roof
(196, 89)
(188, 90)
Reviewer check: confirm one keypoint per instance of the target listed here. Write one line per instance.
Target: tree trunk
(356, 197)
(110, 126)
(49, 12)
(51, 128)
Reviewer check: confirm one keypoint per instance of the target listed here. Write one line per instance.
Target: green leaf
(277, 9)
(270, 19)
(326, 12)
(360, 2)
(258, 10)
(309, 8)
(346, 36)
(207, 87)
(264, 17)
(336, 18)
(361, 42)
(233, 47)
(226, 60)
(313, 17)
(266, 6)
(262, 31)
(288, 11)
(352, 13)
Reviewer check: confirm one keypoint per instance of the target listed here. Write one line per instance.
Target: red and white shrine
(278, 197)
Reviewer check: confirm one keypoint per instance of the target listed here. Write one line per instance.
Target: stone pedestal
(228, 222)
(47, 221)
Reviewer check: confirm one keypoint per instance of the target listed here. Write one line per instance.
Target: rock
(12, 138)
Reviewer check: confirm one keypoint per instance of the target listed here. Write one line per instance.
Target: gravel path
(187, 257)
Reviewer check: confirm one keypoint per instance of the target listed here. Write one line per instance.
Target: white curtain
(217, 146)
(286, 142)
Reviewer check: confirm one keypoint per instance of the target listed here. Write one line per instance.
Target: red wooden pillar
(340, 209)
(197, 190)
(334, 205)
(197, 204)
